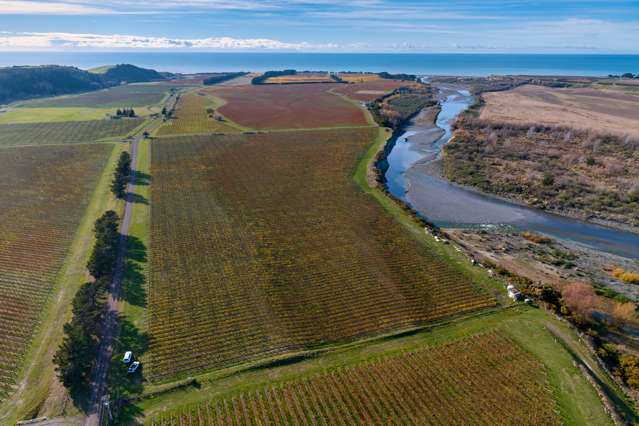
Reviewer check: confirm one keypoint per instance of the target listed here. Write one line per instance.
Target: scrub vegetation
(577, 173)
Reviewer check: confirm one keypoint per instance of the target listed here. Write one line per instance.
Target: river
(414, 176)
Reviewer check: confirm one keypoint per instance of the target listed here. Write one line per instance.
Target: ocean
(424, 64)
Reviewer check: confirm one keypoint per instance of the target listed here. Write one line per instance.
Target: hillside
(25, 82)
(18, 83)
(117, 74)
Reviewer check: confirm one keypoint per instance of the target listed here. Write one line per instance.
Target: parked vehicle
(128, 356)
(133, 367)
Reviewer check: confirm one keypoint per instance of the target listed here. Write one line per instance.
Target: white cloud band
(42, 41)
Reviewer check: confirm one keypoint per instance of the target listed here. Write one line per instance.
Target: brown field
(263, 244)
(356, 77)
(306, 77)
(370, 90)
(44, 192)
(482, 380)
(191, 117)
(605, 111)
(293, 106)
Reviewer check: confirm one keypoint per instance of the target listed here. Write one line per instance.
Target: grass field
(302, 77)
(293, 106)
(357, 77)
(608, 111)
(256, 250)
(65, 132)
(132, 95)
(482, 380)
(191, 117)
(371, 89)
(52, 115)
(43, 192)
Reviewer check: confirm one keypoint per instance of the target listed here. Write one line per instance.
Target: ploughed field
(263, 244)
(65, 132)
(44, 192)
(602, 110)
(481, 380)
(191, 116)
(293, 106)
(130, 95)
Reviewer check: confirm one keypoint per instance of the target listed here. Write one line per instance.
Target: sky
(511, 26)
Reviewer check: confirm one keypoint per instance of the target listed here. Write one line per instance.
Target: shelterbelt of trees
(76, 355)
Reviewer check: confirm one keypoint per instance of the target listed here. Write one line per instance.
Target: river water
(413, 176)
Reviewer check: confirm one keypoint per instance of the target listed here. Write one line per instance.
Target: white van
(128, 356)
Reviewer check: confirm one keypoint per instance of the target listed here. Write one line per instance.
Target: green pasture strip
(37, 386)
(52, 115)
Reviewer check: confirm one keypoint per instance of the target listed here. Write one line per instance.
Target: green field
(44, 192)
(52, 115)
(65, 132)
(132, 95)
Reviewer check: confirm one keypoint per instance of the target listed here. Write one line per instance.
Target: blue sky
(322, 25)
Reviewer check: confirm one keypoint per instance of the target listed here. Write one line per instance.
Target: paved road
(110, 325)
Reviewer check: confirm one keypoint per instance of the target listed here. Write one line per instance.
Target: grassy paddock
(52, 115)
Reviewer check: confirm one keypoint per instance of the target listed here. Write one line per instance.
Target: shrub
(536, 238)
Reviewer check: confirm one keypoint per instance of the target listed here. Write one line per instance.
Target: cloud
(20, 7)
(43, 41)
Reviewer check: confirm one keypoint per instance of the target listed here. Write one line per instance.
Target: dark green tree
(122, 175)
(102, 260)
(74, 358)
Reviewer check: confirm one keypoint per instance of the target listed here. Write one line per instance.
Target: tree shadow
(124, 387)
(136, 198)
(142, 178)
(133, 283)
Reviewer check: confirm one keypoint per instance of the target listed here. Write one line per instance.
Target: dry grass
(371, 90)
(355, 77)
(582, 108)
(306, 77)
